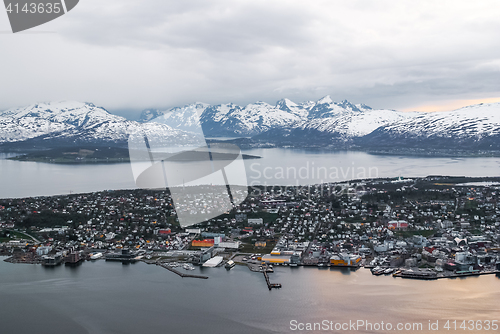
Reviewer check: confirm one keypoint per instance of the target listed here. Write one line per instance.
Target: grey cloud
(129, 54)
(216, 26)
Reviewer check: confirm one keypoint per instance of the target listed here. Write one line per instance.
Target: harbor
(155, 290)
(183, 275)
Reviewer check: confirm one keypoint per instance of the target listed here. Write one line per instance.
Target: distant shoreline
(108, 156)
(67, 155)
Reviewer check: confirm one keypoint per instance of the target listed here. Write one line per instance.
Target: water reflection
(143, 298)
(24, 179)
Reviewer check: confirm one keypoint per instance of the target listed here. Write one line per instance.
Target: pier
(269, 284)
(434, 276)
(166, 266)
(469, 274)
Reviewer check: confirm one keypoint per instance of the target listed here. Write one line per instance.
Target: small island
(100, 155)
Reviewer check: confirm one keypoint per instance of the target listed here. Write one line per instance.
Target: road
(27, 235)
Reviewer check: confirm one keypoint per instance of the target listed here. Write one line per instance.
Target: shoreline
(100, 161)
(251, 269)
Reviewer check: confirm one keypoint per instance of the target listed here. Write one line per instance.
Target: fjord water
(276, 167)
(104, 298)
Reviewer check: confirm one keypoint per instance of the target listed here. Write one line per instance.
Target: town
(421, 228)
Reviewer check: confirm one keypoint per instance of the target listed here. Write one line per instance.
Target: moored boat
(96, 256)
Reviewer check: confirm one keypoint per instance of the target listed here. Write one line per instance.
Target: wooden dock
(269, 284)
(183, 275)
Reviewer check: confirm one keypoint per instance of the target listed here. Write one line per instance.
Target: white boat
(230, 264)
(96, 256)
(188, 266)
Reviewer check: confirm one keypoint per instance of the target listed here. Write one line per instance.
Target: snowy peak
(57, 110)
(184, 118)
(254, 118)
(471, 121)
(348, 105)
(325, 100)
(286, 105)
(150, 114)
(475, 127)
(70, 122)
(45, 118)
(363, 106)
(300, 110)
(350, 124)
(326, 108)
(251, 119)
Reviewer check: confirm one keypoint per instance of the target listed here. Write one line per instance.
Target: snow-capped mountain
(474, 127)
(68, 123)
(250, 120)
(323, 123)
(350, 120)
(326, 122)
(358, 123)
(325, 115)
(185, 118)
(149, 114)
(229, 119)
(327, 108)
(301, 110)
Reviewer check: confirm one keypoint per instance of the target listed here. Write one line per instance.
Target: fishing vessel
(377, 271)
(96, 256)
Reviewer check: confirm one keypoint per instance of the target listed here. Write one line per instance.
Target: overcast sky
(127, 55)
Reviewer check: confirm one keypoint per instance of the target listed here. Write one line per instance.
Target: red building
(397, 225)
(203, 243)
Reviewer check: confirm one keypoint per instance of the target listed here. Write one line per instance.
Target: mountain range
(57, 124)
(323, 123)
(342, 125)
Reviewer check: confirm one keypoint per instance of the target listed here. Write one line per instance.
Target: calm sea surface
(277, 167)
(103, 297)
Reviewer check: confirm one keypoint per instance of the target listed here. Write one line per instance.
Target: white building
(229, 244)
(255, 221)
(213, 262)
(44, 250)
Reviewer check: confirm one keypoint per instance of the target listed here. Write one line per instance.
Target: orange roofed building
(203, 243)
